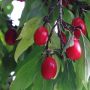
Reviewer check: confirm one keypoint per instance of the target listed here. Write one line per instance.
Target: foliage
(25, 57)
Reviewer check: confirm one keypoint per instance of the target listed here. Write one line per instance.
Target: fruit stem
(60, 22)
(50, 13)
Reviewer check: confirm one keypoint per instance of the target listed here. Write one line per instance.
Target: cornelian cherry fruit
(49, 68)
(78, 22)
(41, 36)
(10, 36)
(74, 52)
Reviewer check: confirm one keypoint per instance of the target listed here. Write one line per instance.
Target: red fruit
(78, 22)
(49, 68)
(41, 36)
(10, 36)
(74, 52)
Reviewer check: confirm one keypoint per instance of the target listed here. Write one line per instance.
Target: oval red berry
(10, 36)
(41, 36)
(49, 68)
(74, 52)
(78, 22)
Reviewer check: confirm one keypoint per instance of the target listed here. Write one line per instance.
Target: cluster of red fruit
(49, 65)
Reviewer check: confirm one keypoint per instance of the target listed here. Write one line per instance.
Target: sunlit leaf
(55, 41)
(86, 44)
(26, 36)
(22, 46)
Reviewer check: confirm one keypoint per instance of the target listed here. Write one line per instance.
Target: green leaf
(88, 84)
(32, 9)
(82, 66)
(87, 22)
(3, 19)
(26, 36)
(2, 37)
(86, 44)
(30, 27)
(25, 12)
(60, 63)
(38, 82)
(27, 73)
(55, 41)
(79, 67)
(67, 15)
(48, 85)
(66, 79)
(41, 84)
(5, 3)
(8, 9)
(22, 46)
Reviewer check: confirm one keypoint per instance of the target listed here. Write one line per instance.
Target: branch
(60, 10)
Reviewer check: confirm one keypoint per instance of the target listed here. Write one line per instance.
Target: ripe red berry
(49, 68)
(41, 36)
(78, 22)
(74, 52)
(10, 36)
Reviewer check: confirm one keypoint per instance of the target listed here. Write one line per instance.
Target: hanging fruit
(81, 27)
(10, 36)
(49, 68)
(41, 36)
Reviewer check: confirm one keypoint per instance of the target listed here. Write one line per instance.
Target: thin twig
(52, 30)
(60, 10)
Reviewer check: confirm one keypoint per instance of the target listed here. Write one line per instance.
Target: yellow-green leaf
(26, 36)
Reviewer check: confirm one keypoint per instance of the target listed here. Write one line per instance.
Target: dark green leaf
(32, 9)
(66, 79)
(27, 73)
(41, 84)
(25, 12)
